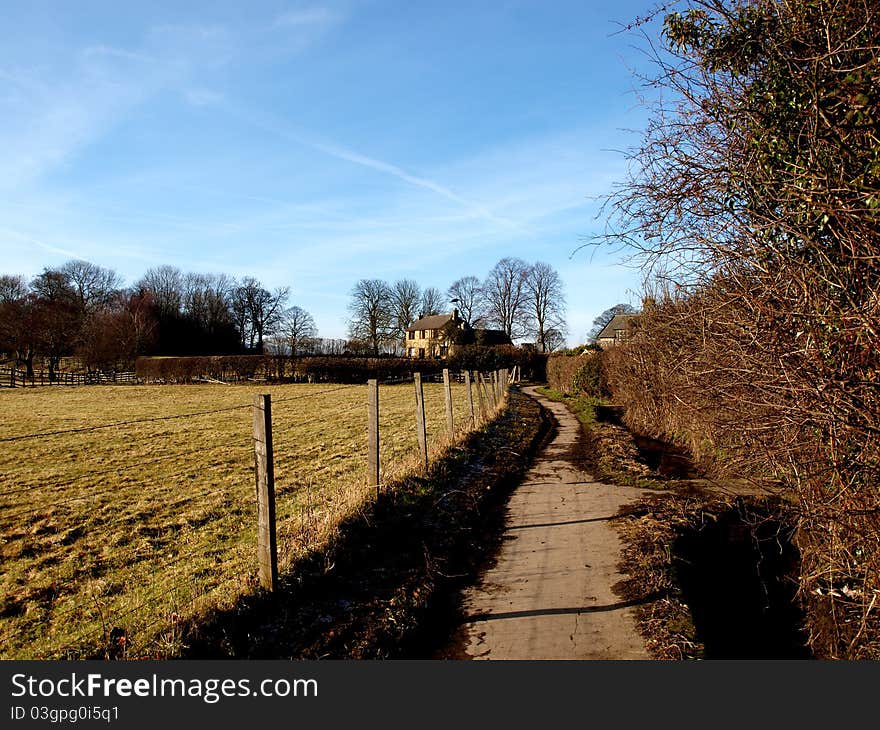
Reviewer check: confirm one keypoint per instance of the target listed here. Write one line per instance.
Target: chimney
(455, 315)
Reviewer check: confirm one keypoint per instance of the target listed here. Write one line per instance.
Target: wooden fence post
(478, 382)
(373, 434)
(470, 397)
(421, 433)
(450, 420)
(267, 553)
(478, 377)
(493, 389)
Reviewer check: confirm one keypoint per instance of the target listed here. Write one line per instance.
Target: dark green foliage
(577, 372)
(588, 378)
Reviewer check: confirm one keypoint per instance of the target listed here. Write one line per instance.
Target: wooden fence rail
(19, 378)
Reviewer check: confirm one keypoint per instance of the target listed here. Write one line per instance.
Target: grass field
(109, 536)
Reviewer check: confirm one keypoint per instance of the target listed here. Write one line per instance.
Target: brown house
(616, 331)
(438, 334)
(433, 335)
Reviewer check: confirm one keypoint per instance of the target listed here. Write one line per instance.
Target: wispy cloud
(314, 17)
(474, 208)
(202, 97)
(300, 29)
(50, 121)
(23, 238)
(387, 168)
(102, 51)
(49, 114)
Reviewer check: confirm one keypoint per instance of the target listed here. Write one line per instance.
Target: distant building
(431, 336)
(438, 334)
(616, 331)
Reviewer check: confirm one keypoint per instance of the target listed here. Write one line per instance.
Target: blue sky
(314, 144)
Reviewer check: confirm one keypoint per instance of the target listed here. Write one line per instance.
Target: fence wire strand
(117, 470)
(117, 424)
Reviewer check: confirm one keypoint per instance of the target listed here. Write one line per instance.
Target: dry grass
(111, 536)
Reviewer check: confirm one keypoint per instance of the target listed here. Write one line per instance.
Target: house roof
(432, 322)
(618, 322)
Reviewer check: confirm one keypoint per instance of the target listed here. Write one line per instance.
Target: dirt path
(549, 594)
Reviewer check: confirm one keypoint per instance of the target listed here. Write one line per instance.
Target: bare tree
(12, 288)
(372, 314)
(141, 329)
(297, 329)
(52, 285)
(554, 339)
(506, 300)
(432, 302)
(57, 317)
(467, 294)
(16, 330)
(406, 295)
(207, 302)
(241, 317)
(545, 300)
(260, 309)
(166, 287)
(95, 286)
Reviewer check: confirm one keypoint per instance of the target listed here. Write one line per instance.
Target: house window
(421, 334)
(411, 334)
(421, 352)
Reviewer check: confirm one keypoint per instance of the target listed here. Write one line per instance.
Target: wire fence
(124, 517)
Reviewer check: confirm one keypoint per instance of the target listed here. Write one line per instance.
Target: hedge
(576, 374)
(332, 369)
(243, 368)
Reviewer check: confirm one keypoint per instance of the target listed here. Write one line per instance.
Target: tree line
(523, 300)
(83, 309)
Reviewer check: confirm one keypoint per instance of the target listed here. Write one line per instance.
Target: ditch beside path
(549, 594)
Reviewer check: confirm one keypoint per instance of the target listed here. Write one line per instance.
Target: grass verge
(582, 406)
(608, 450)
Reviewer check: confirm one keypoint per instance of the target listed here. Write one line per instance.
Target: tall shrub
(757, 191)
